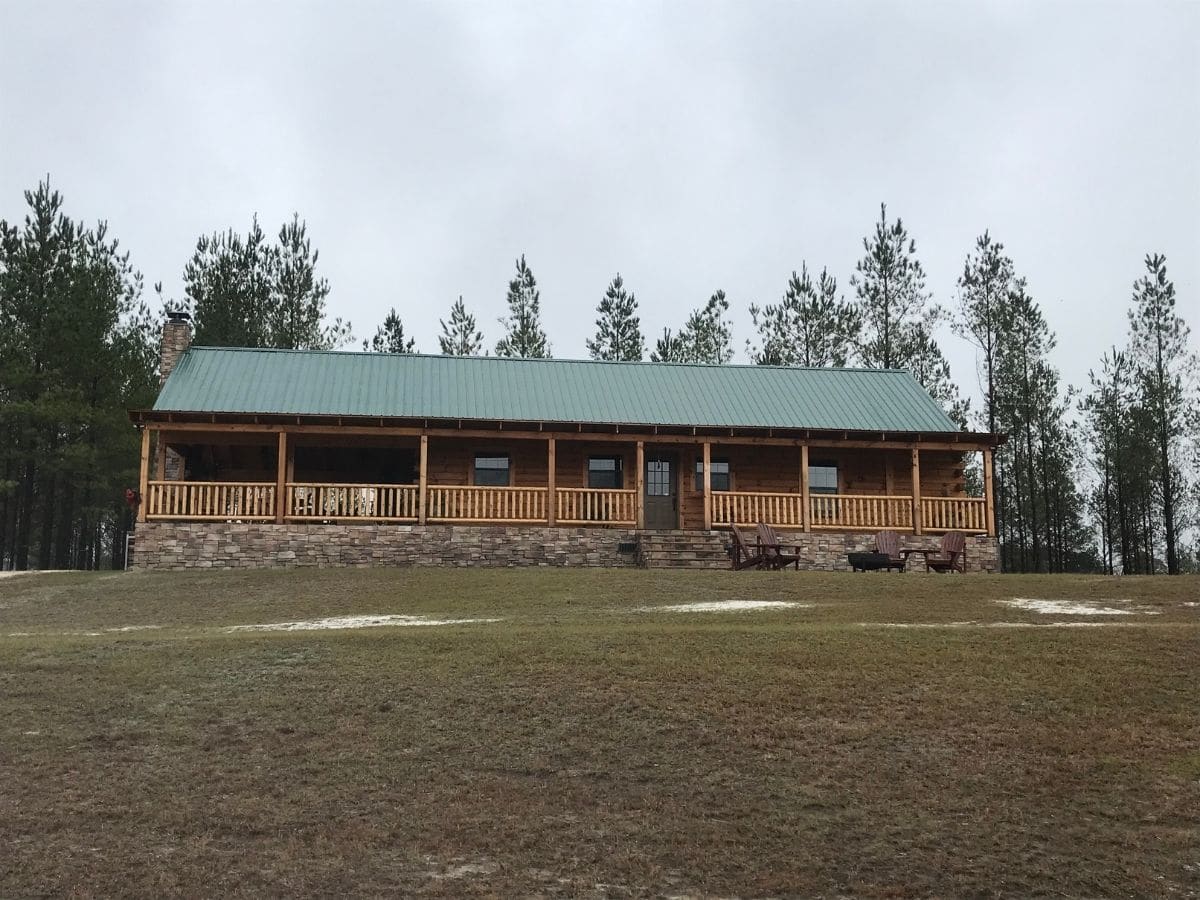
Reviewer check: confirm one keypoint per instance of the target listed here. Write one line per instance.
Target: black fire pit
(870, 562)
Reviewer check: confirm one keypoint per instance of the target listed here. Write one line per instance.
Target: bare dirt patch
(344, 622)
(1078, 607)
(724, 606)
(993, 624)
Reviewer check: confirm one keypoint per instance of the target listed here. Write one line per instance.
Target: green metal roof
(414, 386)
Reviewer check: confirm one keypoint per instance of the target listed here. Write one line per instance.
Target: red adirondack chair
(887, 543)
(745, 555)
(775, 554)
(950, 557)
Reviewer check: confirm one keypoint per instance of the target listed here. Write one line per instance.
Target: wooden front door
(662, 492)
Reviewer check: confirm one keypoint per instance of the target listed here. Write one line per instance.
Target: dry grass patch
(586, 746)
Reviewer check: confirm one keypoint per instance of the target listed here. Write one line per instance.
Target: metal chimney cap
(178, 316)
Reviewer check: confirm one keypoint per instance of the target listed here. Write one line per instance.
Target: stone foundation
(225, 545)
(827, 551)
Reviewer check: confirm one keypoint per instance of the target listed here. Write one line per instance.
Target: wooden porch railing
(860, 511)
(954, 514)
(255, 501)
(585, 506)
(209, 500)
(849, 512)
(745, 507)
(475, 503)
(350, 502)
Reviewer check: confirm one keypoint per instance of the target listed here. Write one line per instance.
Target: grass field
(588, 743)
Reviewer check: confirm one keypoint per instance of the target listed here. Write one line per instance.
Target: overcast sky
(690, 146)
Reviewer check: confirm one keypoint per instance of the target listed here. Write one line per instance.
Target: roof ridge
(552, 360)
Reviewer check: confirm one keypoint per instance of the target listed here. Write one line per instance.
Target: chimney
(176, 338)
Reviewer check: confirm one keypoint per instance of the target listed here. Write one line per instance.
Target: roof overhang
(190, 420)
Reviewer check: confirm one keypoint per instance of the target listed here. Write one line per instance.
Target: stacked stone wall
(218, 545)
(204, 545)
(828, 551)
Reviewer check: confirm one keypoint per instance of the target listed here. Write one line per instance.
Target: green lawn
(583, 746)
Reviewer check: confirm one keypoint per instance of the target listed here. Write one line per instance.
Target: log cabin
(257, 457)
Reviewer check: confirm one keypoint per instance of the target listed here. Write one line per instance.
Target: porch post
(707, 486)
(423, 478)
(551, 492)
(160, 459)
(640, 494)
(916, 490)
(989, 501)
(805, 506)
(144, 474)
(281, 467)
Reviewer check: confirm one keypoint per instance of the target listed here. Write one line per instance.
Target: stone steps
(683, 550)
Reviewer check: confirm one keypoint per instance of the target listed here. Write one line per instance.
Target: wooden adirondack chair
(887, 543)
(775, 555)
(745, 555)
(950, 557)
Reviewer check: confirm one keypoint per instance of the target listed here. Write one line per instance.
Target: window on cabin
(605, 472)
(823, 478)
(718, 474)
(491, 470)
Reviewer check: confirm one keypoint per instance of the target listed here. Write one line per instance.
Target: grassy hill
(569, 733)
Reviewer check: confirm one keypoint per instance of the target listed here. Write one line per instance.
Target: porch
(192, 472)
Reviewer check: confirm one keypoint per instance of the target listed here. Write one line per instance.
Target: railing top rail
(222, 483)
(598, 490)
(346, 484)
(486, 487)
(816, 495)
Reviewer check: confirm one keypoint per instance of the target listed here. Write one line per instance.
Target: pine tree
(618, 330)
(705, 337)
(898, 319)
(668, 348)
(228, 285)
(297, 307)
(76, 351)
(1159, 346)
(707, 334)
(1042, 509)
(1121, 435)
(810, 326)
(460, 336)
(524, 336)
(247, 292)
(984, 288)
(390, 337)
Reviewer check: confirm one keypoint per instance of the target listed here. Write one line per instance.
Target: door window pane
(658, 478)
(491, 470)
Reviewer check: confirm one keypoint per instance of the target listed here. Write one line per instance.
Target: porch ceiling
(181, 422)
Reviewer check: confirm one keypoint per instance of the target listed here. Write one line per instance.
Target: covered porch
(444, 473)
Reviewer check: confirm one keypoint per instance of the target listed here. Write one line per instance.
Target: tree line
(1104, 478)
